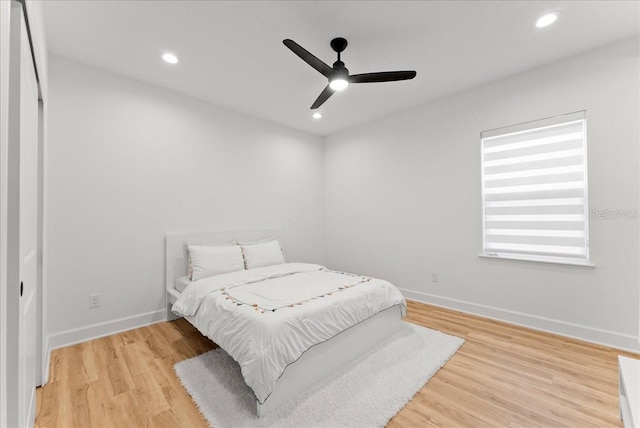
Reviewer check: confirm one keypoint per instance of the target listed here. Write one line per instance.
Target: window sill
(538, 260)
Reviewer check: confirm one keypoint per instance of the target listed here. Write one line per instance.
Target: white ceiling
(231, 53)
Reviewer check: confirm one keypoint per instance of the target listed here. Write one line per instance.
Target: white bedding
(266, 318)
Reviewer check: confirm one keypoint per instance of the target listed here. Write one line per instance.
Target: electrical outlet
(94, 301)
(435, 277)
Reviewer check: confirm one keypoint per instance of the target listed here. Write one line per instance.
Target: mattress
(266, 318)
(182, 283)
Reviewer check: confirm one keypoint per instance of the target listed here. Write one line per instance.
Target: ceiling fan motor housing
(339, 44)
(339, 71)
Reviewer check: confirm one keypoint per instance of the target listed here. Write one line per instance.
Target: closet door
(22, 219)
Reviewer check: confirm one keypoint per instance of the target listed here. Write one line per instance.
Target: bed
(283, 345)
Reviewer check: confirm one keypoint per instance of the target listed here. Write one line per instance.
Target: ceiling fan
(338, 75)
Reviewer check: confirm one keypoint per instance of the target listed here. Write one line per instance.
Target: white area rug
(366, 394)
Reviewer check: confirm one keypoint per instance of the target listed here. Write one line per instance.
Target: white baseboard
(95, 331)
(611, 339)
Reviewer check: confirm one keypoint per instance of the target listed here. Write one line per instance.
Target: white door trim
(41, 360)
(5, 21)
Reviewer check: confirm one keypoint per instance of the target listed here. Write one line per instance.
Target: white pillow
(214, 260)
(262, 254)
(190, 265)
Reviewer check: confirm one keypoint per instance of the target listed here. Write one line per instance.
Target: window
(534, 191)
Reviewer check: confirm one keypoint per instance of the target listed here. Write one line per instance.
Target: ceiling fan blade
(324, 96)
(384, 76)
(308, 57)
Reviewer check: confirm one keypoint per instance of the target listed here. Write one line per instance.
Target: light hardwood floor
(503, 375)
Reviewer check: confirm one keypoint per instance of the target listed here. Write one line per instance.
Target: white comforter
(266, 318)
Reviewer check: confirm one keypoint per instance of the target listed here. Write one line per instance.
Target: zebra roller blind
(534, 191)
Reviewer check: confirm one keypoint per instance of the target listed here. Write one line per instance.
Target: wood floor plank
(503, 376)
(136, 356)
(149, 389)
(164, 420)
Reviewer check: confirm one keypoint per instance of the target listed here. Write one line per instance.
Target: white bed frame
(316, 363)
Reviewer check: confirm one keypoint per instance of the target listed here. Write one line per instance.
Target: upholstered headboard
(176, 250)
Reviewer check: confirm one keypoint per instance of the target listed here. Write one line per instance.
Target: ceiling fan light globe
(546, 20)
(339, 84)
(170, 58)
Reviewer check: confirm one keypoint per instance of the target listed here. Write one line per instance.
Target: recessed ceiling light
(317, 115)
(546, 20)
(170, 58)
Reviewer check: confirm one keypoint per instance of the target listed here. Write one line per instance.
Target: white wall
(402, 200)
(129, 163)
